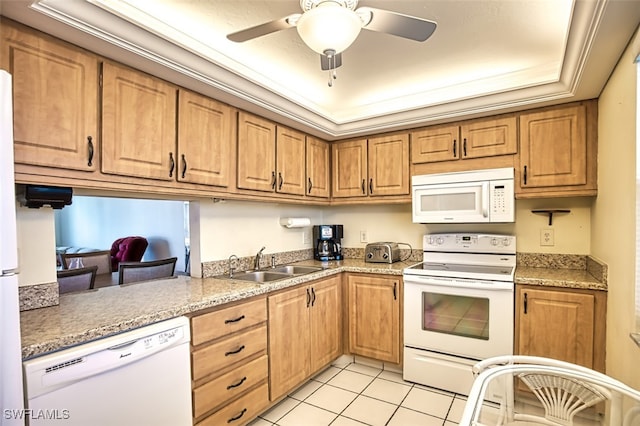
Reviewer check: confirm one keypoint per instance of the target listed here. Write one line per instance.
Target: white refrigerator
(11, 395)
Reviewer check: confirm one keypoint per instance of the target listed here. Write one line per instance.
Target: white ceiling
(485, 57)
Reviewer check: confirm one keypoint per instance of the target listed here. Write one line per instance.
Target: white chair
(564, 391)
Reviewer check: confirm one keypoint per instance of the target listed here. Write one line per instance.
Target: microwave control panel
(501, 201)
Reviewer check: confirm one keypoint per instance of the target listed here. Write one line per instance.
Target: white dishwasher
(140, 377)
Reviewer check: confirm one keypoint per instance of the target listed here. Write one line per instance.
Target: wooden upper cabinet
(349, 168)
(470, 139)
(205, 143)
(55, 99)
(558, 150)
(317, 168)
(290, 161)
(438, 143)
(488, 138)
(388, 165)
(138, 124)
(256, 153)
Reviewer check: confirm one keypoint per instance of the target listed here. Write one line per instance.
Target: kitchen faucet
(259, 258)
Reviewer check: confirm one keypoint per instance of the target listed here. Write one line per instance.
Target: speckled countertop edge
(561, 270)
(85, 316)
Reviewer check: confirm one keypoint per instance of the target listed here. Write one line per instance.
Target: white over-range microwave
(464, 197)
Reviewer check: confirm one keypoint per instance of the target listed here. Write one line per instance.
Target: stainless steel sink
(295, 269)
(261, 276)
(274, 274)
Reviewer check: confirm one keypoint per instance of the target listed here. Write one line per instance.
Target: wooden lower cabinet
(229, 364)
(305, 333)
(564, 324)
(374, 316)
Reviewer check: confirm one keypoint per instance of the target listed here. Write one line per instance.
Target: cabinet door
(204, 140)
(388, 166)
(317, 167)
(440, 143)
(290, 161)
(488, 138)
(556, 324)
(55, 100)
(256, 153)
(138, 124)
(349, 160)
(288, 340)
(325, 322)
(553, 147)
(374, 317)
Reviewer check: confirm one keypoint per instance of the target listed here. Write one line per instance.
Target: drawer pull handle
(238, 417)
(240, 318)
(235, 385)
(234, 352)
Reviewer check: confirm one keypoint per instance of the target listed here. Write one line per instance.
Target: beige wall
(393, 223)
(36, 246)
(613, 215)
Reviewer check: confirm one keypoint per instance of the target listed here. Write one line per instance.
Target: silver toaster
(384, 252)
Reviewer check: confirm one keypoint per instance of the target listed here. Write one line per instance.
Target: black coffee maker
(327, 242)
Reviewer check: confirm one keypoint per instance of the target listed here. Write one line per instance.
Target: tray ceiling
(485, 57)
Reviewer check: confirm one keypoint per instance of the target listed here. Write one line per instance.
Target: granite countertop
(85, 316)
(552, 277)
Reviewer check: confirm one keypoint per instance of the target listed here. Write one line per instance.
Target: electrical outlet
(363, 236)
(546, 237)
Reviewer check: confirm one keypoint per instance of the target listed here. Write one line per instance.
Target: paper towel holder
(295, 222)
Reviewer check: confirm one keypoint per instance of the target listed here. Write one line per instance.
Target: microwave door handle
(485, 199)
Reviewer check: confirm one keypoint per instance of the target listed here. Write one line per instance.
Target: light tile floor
(357, 395)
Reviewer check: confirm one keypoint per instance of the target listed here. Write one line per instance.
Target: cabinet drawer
(240, 411)
(226, 321)
(228, 386)
(221, 355)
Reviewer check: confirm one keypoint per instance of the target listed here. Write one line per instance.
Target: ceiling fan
(330, 26)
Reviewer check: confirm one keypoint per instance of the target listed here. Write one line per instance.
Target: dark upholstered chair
(127, 249)
(101, 259)
(146, 271)
(78, 279)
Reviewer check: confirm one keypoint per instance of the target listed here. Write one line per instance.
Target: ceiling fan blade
(325, 62)
(263, 29)
(400, 25)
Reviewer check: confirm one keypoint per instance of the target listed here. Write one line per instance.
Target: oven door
(467, 318)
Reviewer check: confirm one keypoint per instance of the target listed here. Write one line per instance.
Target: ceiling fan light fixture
(329, 26)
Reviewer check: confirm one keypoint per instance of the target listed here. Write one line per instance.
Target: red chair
(127, 249)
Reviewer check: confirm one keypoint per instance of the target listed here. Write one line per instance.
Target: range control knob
(494, 242)
(506, 242)
(370, 255)
(440, 240)
(432, 240)
(385, 256)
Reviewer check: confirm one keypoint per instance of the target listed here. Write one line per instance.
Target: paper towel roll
(295, 222)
